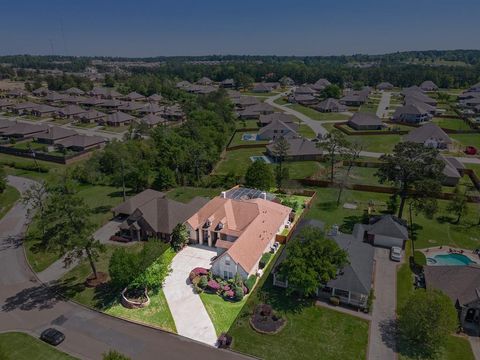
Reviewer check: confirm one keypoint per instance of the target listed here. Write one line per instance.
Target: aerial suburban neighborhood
(238, 206)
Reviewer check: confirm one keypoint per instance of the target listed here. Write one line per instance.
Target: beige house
(241, 230)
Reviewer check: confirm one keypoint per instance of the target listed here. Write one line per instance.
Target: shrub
(196, 284)
(226, 288)
(250, 283)
(213, 286)
(334, 300)
(264, 260)
(29, 166)
(114, 355)
(239, 294)
(245, 290)
(419, 258)
(203, 281)
(224, 341)
(198, 271)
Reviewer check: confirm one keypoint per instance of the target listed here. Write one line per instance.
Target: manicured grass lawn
(467, 139)
(99, 198)
(451, 123)
(103, 298)
(281, 101)
(30, 145)
(309, 331)
(429, 232)
(20, 346)
(376, 143)
(358, 175)
(237, 161)
(242, 124)
(186, 193)
(317, 115)
(302, 169)
(369, 107)
(474, 167)
(306, 131)
(85, 125)
(7, 199)
(222, 313)
(456, 347)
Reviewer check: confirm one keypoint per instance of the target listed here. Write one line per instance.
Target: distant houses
(365, 121)
(330, 105)
(430, 135)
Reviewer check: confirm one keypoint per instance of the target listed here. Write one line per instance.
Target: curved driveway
(28, 306)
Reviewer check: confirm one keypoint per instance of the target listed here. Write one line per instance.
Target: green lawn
(222, 313)
(451, 123)
(85, 125)
(237, 161)
(369, 107)
(103, 299)
(186, 193)
(302, 169)
(306, 131)
(116, 129)
(376, 143)
(456, 347)
(7, 199)
(309, 331)
(31, 145)
(317, 115)
(430, 232)
(467, 139)
(20, 346)
(242, 124)
(281, 101)
(474, 167)
(99, 198)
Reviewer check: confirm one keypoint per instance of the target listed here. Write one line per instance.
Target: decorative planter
(134, 304)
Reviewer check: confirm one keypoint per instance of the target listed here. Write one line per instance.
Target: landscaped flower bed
(265, 321)
(230, 290)
(135, 298)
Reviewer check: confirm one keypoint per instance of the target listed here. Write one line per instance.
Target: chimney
(223, 194)
(263, 195)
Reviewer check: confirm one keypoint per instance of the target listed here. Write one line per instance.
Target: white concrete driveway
(106, 231)
(191, 318)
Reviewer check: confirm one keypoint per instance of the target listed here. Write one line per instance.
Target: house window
(225, 274)
(227, 262)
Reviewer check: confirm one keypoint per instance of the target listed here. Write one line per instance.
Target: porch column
(209, 234)
(200, 236)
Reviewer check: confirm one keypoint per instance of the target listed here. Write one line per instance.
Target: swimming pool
(249, 137)
(450, 259)
(262, 158)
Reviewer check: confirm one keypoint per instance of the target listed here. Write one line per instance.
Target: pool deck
(444, 250)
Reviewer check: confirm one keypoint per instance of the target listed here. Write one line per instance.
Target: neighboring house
(277, 116)
(420, 97)
(412, 114)
(119, 119)
(432, 110)
(330, 105)
(242, 102)
(200, 89)
(23, 108)
(241, 231)
(73, 91)
(132, 106)
(54, 97)
(155, 98)
(69, 99)
(227, 83)
(302, 99)
(156, 216)
(16, 93)
(461, 285)
(92, 101)
(91, 116)
(5, 124)
(261, 88)
(134, 96)
(44, 110)
(151, 108)
(475, 88)
(173, 112)
(355, 98)
(321, 84)
(277, 129)
(254, 111)
(205, 81)
(24, 130)
(453, 170)
(111, 104)
(105, 93)
(41, 91)
(304, 90)
(411, 90)
(430, 135)
(6, 104)
(428, 86)
(354, 281)
(299, 149)
(70, 111)
(183, 84)
(152, 120)
(127, 208)
(81, 143)
(385, 86)
(365, 121)
(54, 134)
(383, 231)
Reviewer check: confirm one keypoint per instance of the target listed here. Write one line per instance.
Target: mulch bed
(93, 281)
(265, 321)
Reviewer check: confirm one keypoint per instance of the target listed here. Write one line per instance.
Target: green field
(222, 313)
(440, 230)
(7, 199)
(306, 131)
(451, 123)
(467, 139)
(20, 346)
(242, 124)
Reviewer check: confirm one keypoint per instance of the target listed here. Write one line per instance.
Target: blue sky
(261, 27)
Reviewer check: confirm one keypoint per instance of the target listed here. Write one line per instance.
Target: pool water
(249, 137)
(450, 259)
(262, 158)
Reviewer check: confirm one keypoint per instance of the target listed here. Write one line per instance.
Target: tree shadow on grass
(102, 209)
(281, 300)
(445, 219)
(327, 206)
(119, 193)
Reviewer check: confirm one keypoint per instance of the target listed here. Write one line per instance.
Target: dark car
(52, 336)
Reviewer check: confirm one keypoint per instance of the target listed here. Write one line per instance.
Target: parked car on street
(52, 336)
(396, 253)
